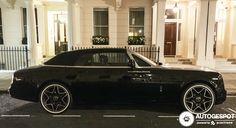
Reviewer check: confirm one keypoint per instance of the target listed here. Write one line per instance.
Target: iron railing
(13, 57)
(151, 52)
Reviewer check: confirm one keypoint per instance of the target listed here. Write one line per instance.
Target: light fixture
(140, 31)
(176, 8)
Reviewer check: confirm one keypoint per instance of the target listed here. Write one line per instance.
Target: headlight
(217, 78)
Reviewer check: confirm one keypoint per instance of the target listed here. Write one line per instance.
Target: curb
(231, 94)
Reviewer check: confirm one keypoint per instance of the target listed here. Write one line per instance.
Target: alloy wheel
(55, 98)
(199, 99)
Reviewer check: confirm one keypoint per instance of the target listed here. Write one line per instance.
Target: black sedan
(109, 74)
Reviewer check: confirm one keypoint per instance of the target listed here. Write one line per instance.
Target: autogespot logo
(186, 119)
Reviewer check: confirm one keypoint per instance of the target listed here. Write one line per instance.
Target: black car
(109, 74)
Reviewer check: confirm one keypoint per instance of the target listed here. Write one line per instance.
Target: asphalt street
(31, 115)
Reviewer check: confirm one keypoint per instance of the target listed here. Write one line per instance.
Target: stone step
(184, 59)
(232, 67)
(223, 63)
(234, 62)
(220, 59)
(231, 59)
(226, 70)
(187, 62)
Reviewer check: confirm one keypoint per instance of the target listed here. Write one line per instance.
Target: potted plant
(136, 40)
(100, 40)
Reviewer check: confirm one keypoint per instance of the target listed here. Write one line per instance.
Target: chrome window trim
(86, 66)
(145, 59)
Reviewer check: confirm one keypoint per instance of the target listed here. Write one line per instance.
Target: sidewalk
(5, 80)
(229, 79)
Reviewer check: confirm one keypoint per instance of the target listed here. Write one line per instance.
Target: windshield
(144, 58)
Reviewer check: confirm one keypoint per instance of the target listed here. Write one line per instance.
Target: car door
(145, 80)
(103, 75)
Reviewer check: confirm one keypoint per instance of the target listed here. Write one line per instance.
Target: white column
(205, 35)
(73, 23)
(232, 42)
(154, 23)
(160, 26)
(191, 31)
(31, 31)
(41, 29)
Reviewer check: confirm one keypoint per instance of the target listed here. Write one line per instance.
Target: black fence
(151, 52)
(13, 57)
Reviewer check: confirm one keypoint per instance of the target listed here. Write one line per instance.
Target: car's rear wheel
(198, 98)
(55, 98)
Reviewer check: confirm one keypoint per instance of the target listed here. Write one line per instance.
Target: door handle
(139, 72)
(104, 77)
(71, 77)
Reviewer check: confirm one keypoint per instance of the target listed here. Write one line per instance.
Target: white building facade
(200, 31)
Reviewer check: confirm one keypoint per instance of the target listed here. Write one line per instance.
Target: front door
(170, 39)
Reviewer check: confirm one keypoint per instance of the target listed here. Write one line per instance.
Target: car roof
(100, 50)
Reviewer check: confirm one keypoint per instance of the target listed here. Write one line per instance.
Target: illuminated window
(136, 22)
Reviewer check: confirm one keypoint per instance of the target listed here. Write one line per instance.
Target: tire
(55, 98)
(198, 98)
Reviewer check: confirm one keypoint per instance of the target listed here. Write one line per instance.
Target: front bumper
(221, 93)
(221, 97)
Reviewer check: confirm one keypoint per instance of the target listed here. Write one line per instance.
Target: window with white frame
(136, 21)
(173, 14)
(136, 26)
(24, 17)
(101, 26)
(1, 31)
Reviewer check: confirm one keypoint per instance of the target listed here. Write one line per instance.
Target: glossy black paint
(113, 83)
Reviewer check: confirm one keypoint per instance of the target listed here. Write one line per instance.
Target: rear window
(67, 58)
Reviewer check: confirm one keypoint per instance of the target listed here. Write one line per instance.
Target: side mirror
(160, 63)
(131, 63)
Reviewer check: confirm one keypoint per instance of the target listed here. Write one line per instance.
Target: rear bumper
(22, 90)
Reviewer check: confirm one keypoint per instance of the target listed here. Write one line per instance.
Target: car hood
(188, 67)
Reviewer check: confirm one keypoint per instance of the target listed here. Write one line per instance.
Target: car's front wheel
(55, 98)
(198, 98)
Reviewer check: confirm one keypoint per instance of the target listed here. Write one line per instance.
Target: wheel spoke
(191, 91)
(54, 89)
(192, 104)
(202, 90)
(205, 95)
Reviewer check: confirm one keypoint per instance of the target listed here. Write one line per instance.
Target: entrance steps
(225, 65)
